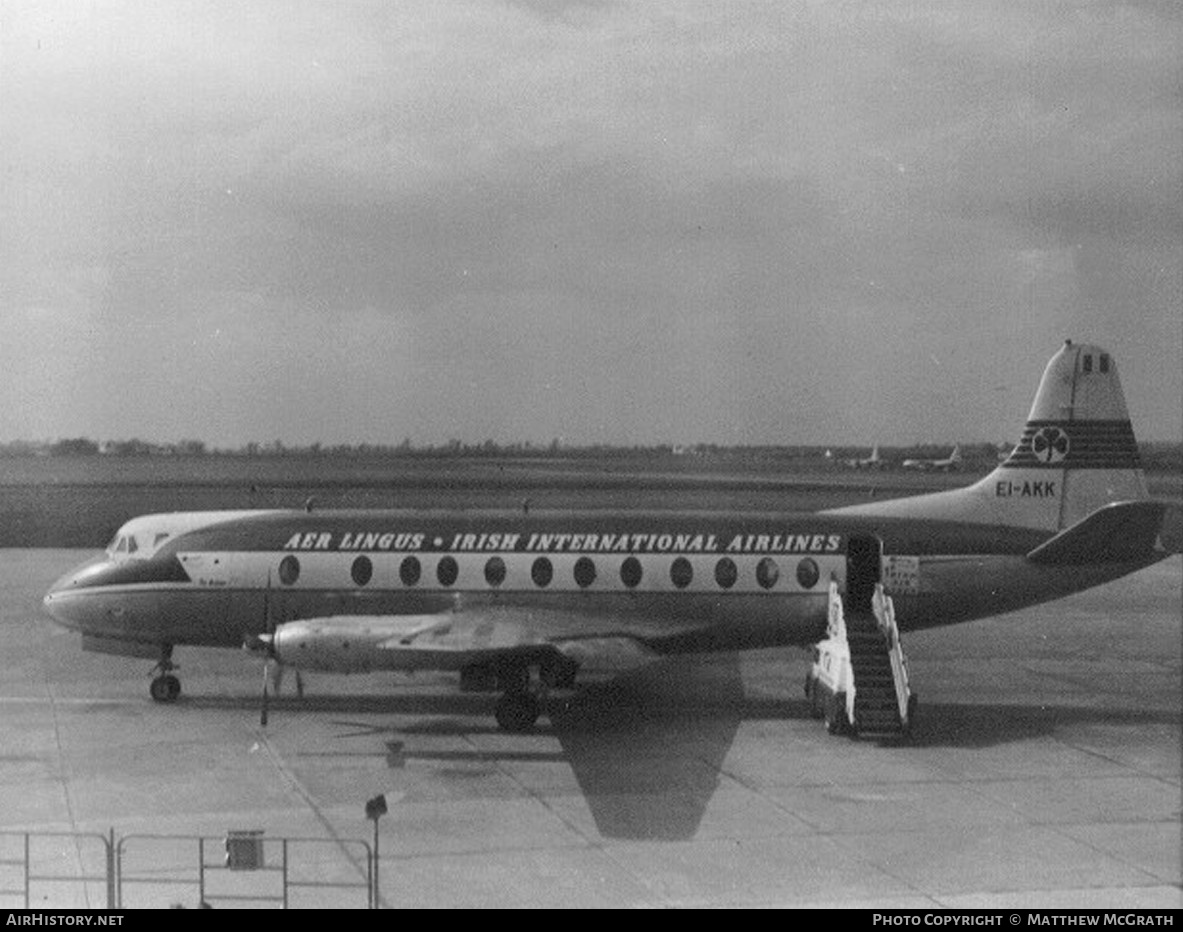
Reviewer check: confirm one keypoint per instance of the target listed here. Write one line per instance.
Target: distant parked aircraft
(948, 464)
(871, 462)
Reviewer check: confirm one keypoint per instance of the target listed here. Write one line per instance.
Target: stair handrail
(836, 619)
(884, 611)
(836, 630)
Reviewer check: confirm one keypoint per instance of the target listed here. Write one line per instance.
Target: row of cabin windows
(584, 572)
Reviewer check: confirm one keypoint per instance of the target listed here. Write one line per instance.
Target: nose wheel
(165, 687)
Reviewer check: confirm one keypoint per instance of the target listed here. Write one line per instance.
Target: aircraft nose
(53, 602)
(80, 575)
(57, 600)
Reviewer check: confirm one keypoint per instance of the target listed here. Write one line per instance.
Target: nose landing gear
(165, 687)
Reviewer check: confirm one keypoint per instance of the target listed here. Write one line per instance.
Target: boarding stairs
(879, 700)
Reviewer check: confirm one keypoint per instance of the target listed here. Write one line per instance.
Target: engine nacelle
(329, 647)
(353, 643)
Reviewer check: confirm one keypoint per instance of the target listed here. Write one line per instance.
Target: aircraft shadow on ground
(646, 750)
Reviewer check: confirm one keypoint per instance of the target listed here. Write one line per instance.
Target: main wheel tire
(517, 712)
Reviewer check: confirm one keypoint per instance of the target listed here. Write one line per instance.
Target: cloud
(689, 222)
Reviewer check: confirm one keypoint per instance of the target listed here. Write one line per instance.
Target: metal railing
(32, 872)
(243, 868)
(836, 629)
(884, 610)
(80, 870)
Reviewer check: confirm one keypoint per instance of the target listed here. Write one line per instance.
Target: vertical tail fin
(1079, 435)
(1077, 454)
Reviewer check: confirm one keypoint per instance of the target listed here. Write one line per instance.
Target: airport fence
(57, 870)
(65, 870)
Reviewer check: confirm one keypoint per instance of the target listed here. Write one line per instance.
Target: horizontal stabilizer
(1118, 533)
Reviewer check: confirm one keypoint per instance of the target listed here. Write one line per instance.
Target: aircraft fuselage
(673, 581)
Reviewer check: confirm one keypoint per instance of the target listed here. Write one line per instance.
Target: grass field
(81, 501)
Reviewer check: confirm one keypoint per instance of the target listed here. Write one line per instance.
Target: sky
(604, 222)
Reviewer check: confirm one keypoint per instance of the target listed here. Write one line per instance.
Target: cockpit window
(126, 544)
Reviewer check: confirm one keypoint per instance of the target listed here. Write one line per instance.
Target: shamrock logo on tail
(1050, 444)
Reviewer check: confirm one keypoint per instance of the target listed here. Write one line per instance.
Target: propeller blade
(263, 711)
(264, 644)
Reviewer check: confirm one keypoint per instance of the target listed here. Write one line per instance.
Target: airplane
(522, 602)
(948, 464)
(869, 462)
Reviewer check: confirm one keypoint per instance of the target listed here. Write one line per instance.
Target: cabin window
(446, 571)
(541, 572)
(289, 570)
(1088, 362)
(159, 539)
(767, 573)
(631, 572)
(361, 571)
(585, 572)
(495, 571)
(807, 573)
(681, 572)
(1104, 362)
(409, 571)
(725, 573)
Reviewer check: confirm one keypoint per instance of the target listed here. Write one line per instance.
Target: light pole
(375, 809)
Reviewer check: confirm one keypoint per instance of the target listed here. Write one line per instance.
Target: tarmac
(1045, 773)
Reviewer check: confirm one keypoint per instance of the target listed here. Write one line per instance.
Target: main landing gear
(524, 688)
(165, 687)
(518, 711)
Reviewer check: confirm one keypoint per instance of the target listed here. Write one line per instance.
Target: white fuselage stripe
(754, 574)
